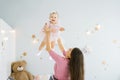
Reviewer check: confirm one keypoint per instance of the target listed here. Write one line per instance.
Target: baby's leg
(42, 45)
(52, 44)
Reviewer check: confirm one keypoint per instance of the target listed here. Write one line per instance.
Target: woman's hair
(76, 65)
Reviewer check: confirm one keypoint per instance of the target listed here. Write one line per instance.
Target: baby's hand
(62, 29)
(46, 27)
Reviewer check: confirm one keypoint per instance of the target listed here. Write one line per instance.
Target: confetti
(87, 49)
(33, 36)
(88, 33)
(103, 62)
(24, 53)
(97, 27)
(35, 40)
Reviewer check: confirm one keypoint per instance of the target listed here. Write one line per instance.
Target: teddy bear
(18, 71)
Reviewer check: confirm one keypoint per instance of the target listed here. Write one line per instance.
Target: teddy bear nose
(19, 66)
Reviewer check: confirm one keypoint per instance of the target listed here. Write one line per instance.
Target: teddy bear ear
(12, 67)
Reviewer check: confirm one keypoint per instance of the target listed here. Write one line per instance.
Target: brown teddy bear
(18, 71)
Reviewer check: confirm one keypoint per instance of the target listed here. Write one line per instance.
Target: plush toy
(18, 71)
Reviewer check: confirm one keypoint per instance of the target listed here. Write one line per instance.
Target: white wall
(7, 50)
(77, 16)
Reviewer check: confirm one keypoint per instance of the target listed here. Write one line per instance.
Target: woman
(69, 67)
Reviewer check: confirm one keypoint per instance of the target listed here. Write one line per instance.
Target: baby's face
(53, 18)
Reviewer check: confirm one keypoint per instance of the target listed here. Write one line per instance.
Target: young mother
(69, 67)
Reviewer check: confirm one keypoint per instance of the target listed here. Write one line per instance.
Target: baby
(55, 30)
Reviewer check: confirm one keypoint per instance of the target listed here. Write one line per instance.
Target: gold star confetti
(97, 27)
(88, 33)
(35, 40)
(33, 36)
(103, 62)
(24, 53)
(87, 49)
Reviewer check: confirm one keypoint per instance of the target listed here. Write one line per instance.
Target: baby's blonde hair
(54, 12)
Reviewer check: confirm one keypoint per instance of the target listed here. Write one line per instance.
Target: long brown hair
(76, 65)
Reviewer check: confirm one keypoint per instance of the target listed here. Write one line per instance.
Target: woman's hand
(46, 28)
